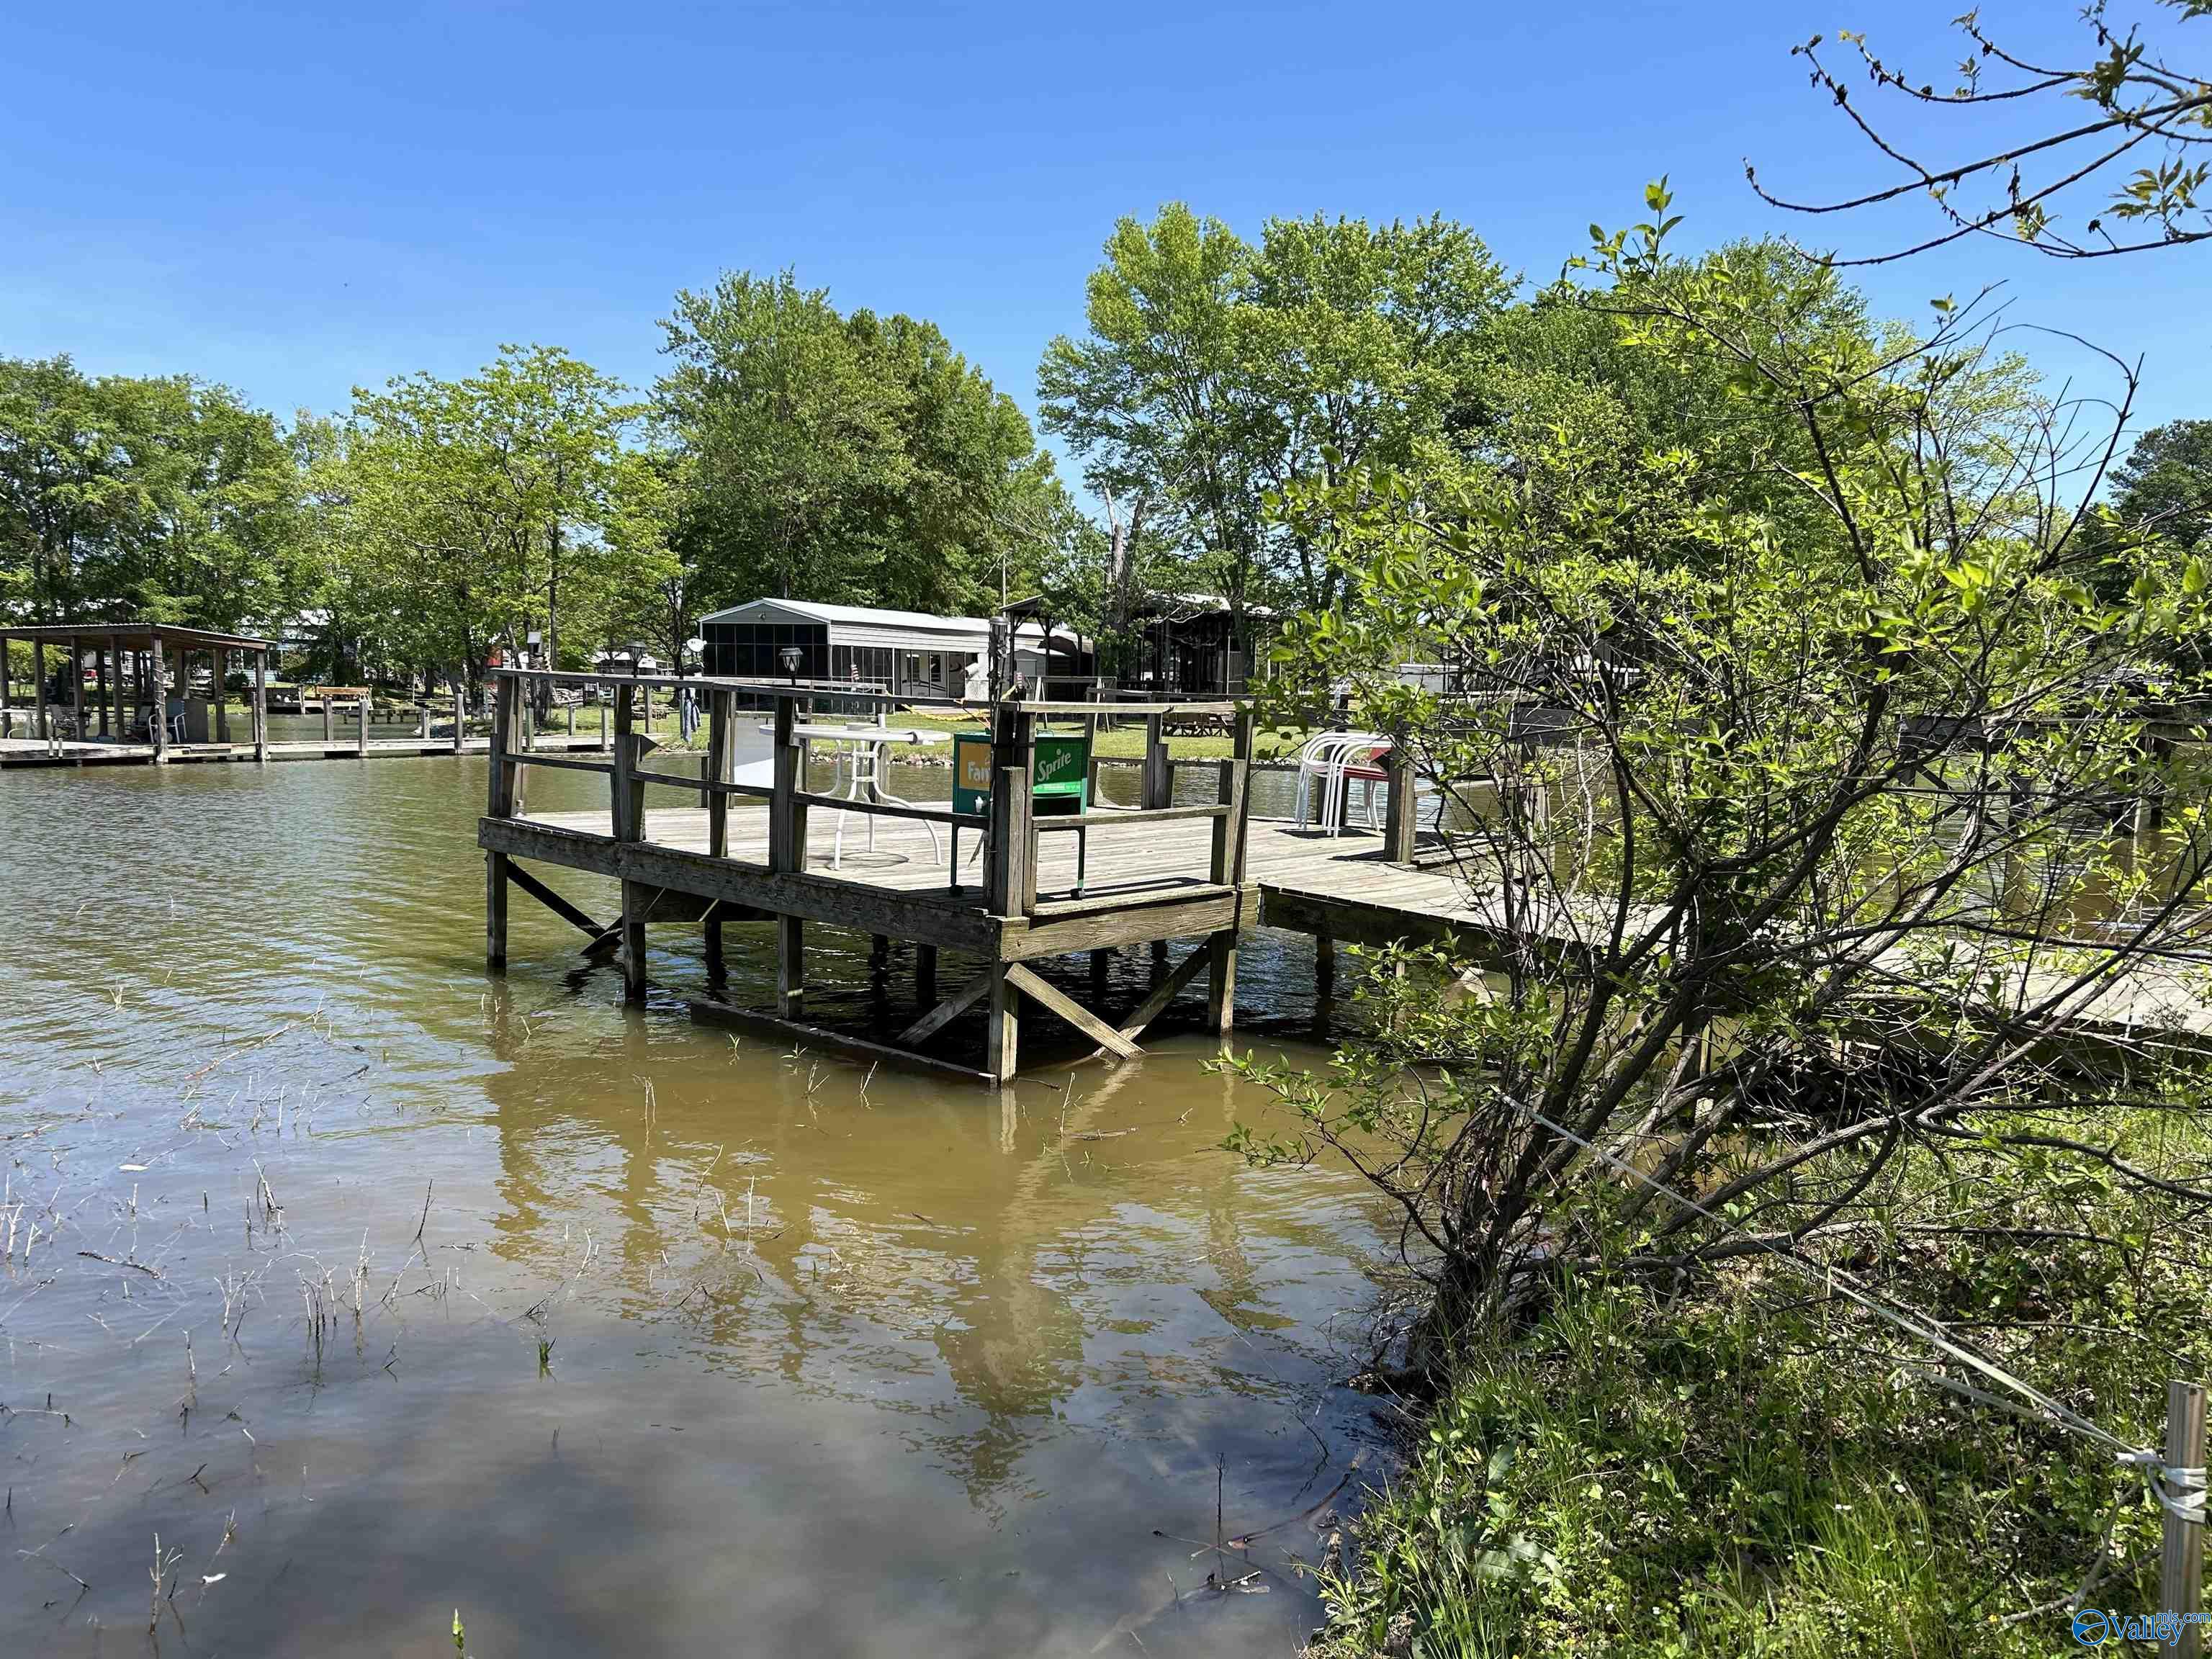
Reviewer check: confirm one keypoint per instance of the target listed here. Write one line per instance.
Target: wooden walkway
(30, 752)
(1135, 863)
(1337, 889)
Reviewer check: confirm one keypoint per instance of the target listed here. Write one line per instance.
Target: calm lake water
(296, 1196)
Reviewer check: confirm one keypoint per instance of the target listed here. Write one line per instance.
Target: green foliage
(1215, 373)
(123, 498)
(1780, 827)
(2164, 487)
(1752, 1469)
(456, 513)
(857, 459)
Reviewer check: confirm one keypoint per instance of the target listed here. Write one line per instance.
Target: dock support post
(786, 851)
(1011, 882)
(1227, 870)
(361, 737)
(261, 706)
(721, 746)
(460, 711)
(1157, 790)
(925, 975)
(635, 898)
(790, 967)
(330, 733)
(160, 715)
(1003, 1029)
(99, 672)
(45, 727)
(76, 683)
(221, 694)
(627, 811)
(500, 806)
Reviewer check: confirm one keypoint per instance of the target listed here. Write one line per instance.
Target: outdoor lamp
(791, 655)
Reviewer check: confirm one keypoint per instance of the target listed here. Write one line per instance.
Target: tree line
(794, 449)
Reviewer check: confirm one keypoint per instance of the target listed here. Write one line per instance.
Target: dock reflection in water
(824, 1371)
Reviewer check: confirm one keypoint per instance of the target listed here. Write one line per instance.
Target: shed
(909, 653)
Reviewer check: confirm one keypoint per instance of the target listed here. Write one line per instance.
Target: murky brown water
(915, 1372)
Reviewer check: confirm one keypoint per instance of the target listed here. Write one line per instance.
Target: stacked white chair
(1330, 760)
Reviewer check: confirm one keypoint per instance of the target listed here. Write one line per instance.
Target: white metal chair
(1332, 760)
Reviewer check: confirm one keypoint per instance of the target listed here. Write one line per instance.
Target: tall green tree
(61, 488)
(854, 459)
(1153, 401)
(468, 512)
(2164, 487)
(1216, 374)
(166, 498)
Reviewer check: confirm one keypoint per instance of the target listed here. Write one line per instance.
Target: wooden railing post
(625, 793)
(721, 744)
(1011, 886)
(627, 810)
(160, 719)
(1398, 832)
(1158, 776)
(721, 748)
(1235, 796)
(500, 805)
(787, 830)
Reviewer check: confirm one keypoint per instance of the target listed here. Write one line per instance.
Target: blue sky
(298, 199)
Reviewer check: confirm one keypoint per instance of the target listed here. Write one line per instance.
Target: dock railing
(1014, 830)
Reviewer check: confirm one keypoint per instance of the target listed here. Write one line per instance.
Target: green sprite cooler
(1060, 783)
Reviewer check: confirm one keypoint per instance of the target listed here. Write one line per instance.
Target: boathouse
(907, 653)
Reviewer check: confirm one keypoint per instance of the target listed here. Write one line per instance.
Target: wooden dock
(766, 850)
(30, 752)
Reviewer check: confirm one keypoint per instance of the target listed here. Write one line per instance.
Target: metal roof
(135, 635)
(862, 615)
